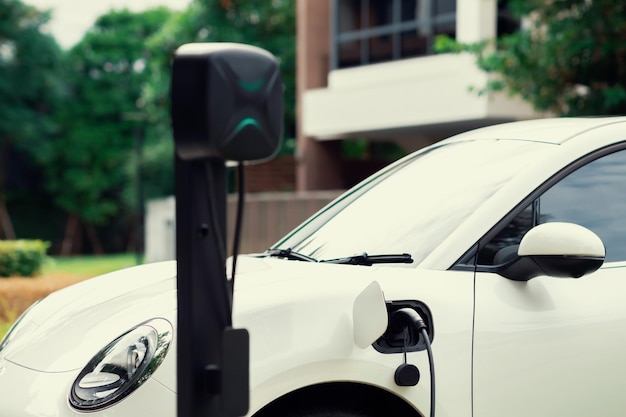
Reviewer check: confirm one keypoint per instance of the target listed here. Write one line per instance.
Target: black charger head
(227, 102)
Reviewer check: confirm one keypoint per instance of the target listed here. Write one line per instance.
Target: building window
(507, 23)
(371, 31)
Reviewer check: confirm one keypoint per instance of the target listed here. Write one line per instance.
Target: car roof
(551, 130)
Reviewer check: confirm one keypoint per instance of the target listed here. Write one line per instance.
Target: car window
(509, 237)
(593, 196)
(417, 205)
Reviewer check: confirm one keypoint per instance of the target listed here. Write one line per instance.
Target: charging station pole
(202, 309)
(226, 105)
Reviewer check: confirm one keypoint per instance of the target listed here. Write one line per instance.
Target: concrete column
(476, 20)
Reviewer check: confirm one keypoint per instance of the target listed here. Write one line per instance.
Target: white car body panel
(140, 294)
(296, 341)
(294, 355)
(46, 395)
(555, 340)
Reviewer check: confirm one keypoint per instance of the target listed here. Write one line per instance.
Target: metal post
(203, 310)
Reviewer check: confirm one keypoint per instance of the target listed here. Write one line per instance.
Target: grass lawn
(88, 266)
(4, 327)
(17, 293)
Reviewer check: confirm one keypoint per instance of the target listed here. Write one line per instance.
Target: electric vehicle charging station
(226, 104)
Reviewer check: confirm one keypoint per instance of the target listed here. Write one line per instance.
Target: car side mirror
(564, 250)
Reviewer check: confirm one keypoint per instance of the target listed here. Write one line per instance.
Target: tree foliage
(81, 114)
(30, 87)
(103, 116)
(569, 57)
(29, 79)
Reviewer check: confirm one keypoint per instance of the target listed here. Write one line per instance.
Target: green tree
(102, 121)
(569, 58)
(30, 87)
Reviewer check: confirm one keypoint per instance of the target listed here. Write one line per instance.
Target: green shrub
(22, 257)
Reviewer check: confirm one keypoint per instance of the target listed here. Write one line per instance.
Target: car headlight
(122, 366)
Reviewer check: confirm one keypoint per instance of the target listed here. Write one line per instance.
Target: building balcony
(413, 101)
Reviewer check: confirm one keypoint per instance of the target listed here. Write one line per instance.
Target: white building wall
(415, 92)
(160, 230)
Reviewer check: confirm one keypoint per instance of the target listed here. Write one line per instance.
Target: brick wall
(279, 174)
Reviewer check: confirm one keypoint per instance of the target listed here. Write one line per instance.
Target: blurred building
(366, 70)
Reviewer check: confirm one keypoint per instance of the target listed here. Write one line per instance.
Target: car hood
(67, 328)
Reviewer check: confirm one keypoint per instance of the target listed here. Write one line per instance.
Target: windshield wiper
(369, 260)
(289, 254)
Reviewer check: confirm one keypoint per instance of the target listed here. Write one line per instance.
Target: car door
(556, 346)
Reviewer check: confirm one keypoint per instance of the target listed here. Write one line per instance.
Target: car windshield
(415, 204)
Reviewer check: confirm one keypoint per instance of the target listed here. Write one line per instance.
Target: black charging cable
(412, 318)
(241, 193)
(217, 231)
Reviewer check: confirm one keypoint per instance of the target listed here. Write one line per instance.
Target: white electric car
(508, 242)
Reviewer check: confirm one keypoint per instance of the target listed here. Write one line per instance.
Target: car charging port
(394, 339)
(409, 329)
